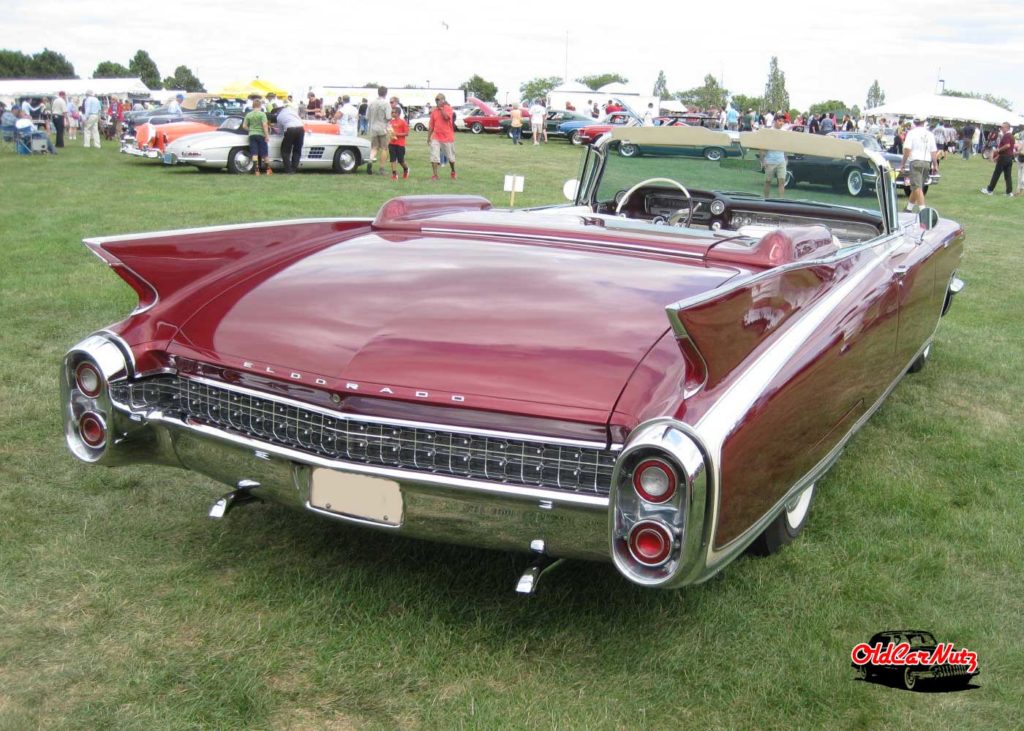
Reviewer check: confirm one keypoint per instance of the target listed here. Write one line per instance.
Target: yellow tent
(242, 89)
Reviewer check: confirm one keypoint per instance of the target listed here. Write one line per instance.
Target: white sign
(514, 183)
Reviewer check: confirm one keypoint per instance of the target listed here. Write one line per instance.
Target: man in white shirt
(58, 115)
(649, 115)
(91, 108)
(537, 116)
(920, 150)
(174, 108)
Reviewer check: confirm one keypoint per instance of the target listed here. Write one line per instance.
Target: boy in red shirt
(398, 130)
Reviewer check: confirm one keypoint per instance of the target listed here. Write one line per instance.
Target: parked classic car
(911, 676)
(151, 140)
(228, 147)
(573, 128)
(655, 374)
(553, 122)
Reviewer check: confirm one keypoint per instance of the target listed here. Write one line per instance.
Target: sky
(826, 50)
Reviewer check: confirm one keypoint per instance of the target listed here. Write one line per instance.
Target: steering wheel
(674, 218)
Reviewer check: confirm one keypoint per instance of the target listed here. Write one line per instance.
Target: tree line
(49, 64)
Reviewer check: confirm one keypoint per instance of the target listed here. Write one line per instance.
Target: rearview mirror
(928, 217)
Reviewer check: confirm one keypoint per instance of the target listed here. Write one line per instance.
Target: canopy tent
(938, 106)
(15, 88)
(256, 87)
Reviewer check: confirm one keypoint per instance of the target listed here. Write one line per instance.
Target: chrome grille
(316, 153)
(586, 470)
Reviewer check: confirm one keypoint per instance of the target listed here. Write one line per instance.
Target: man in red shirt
(398, 130)
(1004, 162)
(441, 135)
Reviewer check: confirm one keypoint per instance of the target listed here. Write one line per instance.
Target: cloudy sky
(827, 49)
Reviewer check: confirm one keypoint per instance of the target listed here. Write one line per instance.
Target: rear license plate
(168, 158)
(357, 496)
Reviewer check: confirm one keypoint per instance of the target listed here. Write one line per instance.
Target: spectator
(649, 115)
(1020, 163)
(826, 124)
(920, 150)
(441, 136)
(255, 123)
(7, 117)
(174, 108)
(774, 162)
(395, 104)
(537, 116)
(293, 135)
(967, 140)
(347, 117)
(516, 125)
(26, 129)
(363, 106)
(398, 130)
(59, 115)
(1003, 157)
(91, 108)
(377, 116)
(314, 106)
(732, 118)
(74, 120)
(570, 107)
(116, 116)
(595, 111)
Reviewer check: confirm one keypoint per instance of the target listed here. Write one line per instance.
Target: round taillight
(92, 429)
(88, 379)
(654, 481)
(650, 543)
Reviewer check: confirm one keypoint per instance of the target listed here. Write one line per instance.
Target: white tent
(938, 106)
(14, 88)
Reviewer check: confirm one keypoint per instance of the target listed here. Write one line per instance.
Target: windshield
(728, 181)
(741, 173)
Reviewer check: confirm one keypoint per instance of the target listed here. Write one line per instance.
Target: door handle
(900, 272)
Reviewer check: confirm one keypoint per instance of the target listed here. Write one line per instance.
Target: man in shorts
(378, 113)
(398, 130)
(920, 149)
(255, 123)
(774, 162)
(441, 135)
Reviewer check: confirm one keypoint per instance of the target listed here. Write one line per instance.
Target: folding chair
(8, 137)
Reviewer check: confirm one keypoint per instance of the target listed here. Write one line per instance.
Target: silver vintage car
(228, 147)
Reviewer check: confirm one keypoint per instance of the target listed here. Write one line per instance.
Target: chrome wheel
(345, 160)
(714, 153)
(909, 679)
(239, 161)
(855, 182)
(628, 150)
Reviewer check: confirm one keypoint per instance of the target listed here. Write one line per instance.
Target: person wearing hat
(174, 108)
(58, 115)
(293, 135)
(1003, 157)
(920, 150)
(91, 109)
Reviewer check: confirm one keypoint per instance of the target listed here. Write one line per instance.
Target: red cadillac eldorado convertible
(655, 374)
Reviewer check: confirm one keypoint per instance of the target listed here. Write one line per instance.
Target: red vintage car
(655, 374)
(479, 121)
(589, 134)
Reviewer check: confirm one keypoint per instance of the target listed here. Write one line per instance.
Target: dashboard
(717, 211)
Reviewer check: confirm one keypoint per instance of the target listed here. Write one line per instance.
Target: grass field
(123, 606)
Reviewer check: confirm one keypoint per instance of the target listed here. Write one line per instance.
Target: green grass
(122, 606)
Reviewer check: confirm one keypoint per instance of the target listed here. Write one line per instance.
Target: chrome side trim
(515, 491)
(614, 245)
(725, 415)
(98, 240)
(716, 560)
(395, 422)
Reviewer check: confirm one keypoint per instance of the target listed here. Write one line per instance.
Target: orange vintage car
(152, 139)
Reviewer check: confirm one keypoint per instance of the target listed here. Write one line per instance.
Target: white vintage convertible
(228, 147)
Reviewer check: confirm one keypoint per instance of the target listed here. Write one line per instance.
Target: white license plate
(357, 496)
